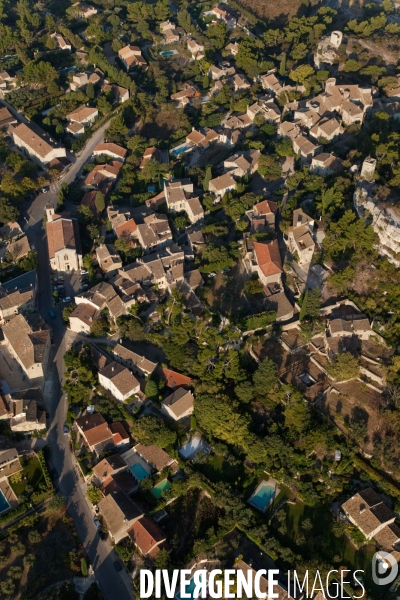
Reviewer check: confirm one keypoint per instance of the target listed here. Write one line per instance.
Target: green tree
(299, 51)
(269, 168)
(206, 82)
(265, 379)
(151, 389)
(297, 416)
(90, 91)
(123, 552)
(351, 66)
(302, 73)
(344, 367)
(94, 494)
(207, 177)
(153, 430)
(254, 286)
(163, 559)
(117, 130)
(84, 567)
(100, 202)
(282, 65)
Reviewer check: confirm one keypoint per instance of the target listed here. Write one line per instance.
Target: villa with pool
(144, 461)
(264, 494)
(9, 464)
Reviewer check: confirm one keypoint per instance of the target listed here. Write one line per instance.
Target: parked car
(66, 429)
(226, 270)
(102, 535)
(45, 189)
(117, 566)
(97, 523)
(52, 314)
(84, 272)
(33, 247)
(212, 274)
(67, 299)
(54, 474)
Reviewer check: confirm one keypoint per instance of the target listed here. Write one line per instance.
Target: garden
(30, 479)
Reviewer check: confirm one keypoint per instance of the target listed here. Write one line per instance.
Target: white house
(37, 143)
(221, 185)
(119, 381)
(178, 405)
(83, 114)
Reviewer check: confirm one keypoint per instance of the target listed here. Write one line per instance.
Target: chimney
(112, 369)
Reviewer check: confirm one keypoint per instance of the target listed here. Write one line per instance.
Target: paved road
(35, 212)
(115, 586)
(100, 553)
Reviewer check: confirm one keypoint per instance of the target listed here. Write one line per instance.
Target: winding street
(114, 585)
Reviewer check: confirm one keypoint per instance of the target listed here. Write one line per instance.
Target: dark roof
(382, 512)
(29, 394)
(370, 497)
(22, 282)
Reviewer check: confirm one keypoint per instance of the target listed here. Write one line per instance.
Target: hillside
(280, 12)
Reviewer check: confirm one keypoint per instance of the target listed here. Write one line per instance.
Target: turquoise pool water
(160, 488)
(151, 188)
(189, 589)
(168, 53)
(180, 150)
(139, 472)
(3, 503)
(264, 495)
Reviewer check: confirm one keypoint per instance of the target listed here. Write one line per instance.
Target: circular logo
(384, 568)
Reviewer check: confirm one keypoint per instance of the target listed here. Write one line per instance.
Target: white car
(67, 299)
(97, 523)
(212, 274)
(84, 272)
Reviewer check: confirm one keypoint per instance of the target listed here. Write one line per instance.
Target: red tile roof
(62, 232)
(174, 379)
(268, 257)
(146, 535)
(266, 207)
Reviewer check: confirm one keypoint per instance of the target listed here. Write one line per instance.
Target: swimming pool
(168, 52)
(4, 505)
(264, 494)
(189, 589)
(161, 487)
(151, 188)
(180, 149)
(139, 472)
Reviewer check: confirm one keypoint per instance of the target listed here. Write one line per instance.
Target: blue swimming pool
(139, 472)
(180, 150)
(4, 505)
(264, 494)
(161, 487)
(151, 188)
(168, 52)
(189, 589)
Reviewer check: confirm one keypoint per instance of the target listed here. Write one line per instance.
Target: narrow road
(114, 585)
(37, 209)
(100, 553)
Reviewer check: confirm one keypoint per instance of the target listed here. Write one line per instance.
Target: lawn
(31, 474)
